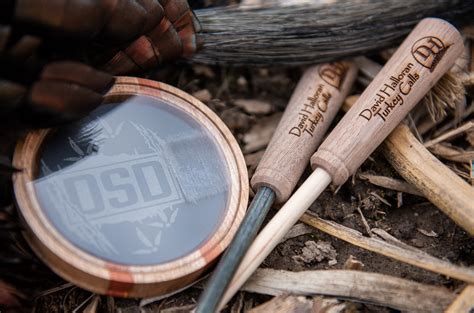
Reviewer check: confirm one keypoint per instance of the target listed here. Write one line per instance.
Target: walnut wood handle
(425, 55)
(315, 101)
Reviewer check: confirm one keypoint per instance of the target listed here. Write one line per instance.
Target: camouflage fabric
(57, 57)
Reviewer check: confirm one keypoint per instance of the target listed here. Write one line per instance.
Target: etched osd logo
(129, 187)
(428, 51)
(128, 182)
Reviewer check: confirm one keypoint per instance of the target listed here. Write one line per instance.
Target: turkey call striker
(426, 54)
(312, 107)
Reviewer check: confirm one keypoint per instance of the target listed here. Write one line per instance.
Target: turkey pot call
(137, 199)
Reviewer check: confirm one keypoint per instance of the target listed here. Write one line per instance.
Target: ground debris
(203, 95)
(254, 106)
(317, 252)
(353, 264)
(297, 230)
(430, 233)
(400, 294)
(285, 303)
(390, 183)
(259, 135)
(236, 120)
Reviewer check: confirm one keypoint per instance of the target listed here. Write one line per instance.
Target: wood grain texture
(385, 290)
(100, 276)
(391, 248)
(464, 303)
(425, 55)
(436, 181)
(310, 111)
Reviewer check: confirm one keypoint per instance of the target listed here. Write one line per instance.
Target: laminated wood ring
(139, 198)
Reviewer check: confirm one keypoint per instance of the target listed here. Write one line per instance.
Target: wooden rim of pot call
(309, 113)
(104, 277)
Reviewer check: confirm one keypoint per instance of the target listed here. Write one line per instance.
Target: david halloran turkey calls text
(425, 55)
(311, 110)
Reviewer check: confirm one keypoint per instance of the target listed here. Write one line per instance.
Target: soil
(408, 222)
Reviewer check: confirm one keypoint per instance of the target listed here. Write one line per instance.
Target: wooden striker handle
(425, 55)
(314, 104)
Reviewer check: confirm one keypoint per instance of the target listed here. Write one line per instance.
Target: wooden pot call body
(111, 277)
(425, 55)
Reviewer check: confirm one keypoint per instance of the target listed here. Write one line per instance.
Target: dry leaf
(203, 95)
(236, 120)
(260, 134)
(353, 264)
(297, 230)
(204, 70)
(253, 106)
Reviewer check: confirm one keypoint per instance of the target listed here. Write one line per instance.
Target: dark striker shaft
(225, 270)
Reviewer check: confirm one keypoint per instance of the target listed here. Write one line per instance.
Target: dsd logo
(115, 189)
(121, 187)
(428, 51)
(333, 74)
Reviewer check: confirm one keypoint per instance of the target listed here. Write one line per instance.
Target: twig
(83, 303)
(391, 183)
(451, 134)
(239, 304)
(451, 154)
(93, 305)
(55, 289)
(394, 292)
(442, 129)
(433, 179)
(437, 182)
(376, 195)
(464, 302)
(364, 221)
(392, 250)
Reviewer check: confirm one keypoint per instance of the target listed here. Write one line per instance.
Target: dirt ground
(219, 88)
